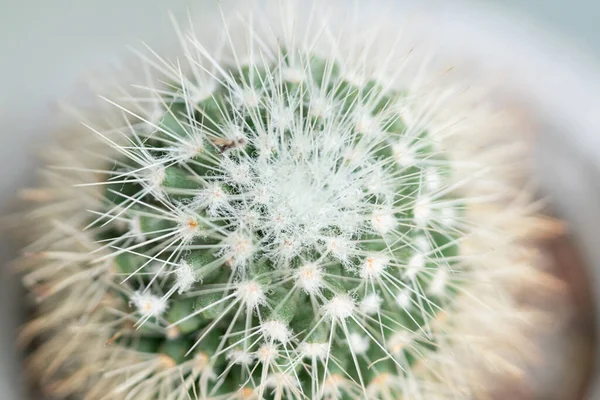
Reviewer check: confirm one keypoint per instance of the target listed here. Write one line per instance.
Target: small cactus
(292, 220)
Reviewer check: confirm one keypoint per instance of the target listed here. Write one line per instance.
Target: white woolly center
(366, 124)
(276, 330)
(370, 304)
(403, 154)
(238, 248)
(339, 307)
(403, 298)
(433, 181)
(355, 77)
(267, 352)
(201, 91)
(300, 191)
(439, 282)
(422, 211)
(383, 221)
(415, 265)
(213, 198)
(135, 228)
(251, 294)
(293, 75)
(319, 107)
(184, 277)
(310, 278)
(358, 343)
(448, 216)
(373, 266)
(240, 357)
(155, 178)
(189, 227)
(314, 350)
(238, 172)
(281, 380)
(422, 243)
(191, 147)
(149, 305)
(398, 342)
(246, 97)
(340, 248)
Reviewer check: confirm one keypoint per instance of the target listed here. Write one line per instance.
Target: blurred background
(48, 48)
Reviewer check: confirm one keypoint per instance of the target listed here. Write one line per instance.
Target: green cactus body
(307, 232)
(294, 232)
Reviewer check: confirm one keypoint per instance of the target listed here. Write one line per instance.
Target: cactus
(287, 221)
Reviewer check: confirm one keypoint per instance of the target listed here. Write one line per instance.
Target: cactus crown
(288, 226)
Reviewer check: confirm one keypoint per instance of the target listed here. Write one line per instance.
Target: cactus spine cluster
(284, 222)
